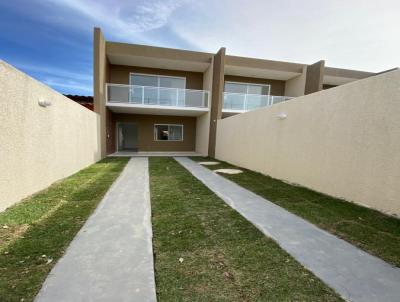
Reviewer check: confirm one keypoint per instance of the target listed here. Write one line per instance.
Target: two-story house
(161, 99)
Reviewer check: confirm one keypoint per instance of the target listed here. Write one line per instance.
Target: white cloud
(59, 72)
(349, 34)
(125, 19)
(60, 79)
(75, 86)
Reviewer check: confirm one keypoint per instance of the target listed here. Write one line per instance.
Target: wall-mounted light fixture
(281, 115)
(44, 103)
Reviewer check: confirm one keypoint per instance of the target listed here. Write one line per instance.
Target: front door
(127, 134)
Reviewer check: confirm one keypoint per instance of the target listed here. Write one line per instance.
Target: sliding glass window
(157, 90)
(245, 96)
(165, 132)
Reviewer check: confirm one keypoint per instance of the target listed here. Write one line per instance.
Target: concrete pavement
(111, 258)
(351, 272)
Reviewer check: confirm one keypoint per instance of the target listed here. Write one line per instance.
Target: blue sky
(51, 40)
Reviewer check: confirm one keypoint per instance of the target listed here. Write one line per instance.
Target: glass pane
(135, 95)
(234, 101)
(144, 80)
(175, 133)
(171, 82)
(161, 132)
(150, 96)
(168, 97)
(117, 93)
(278, 99)
(235, 87)
(258, 89)
(256, 101)
(181, 98)
(194, 98)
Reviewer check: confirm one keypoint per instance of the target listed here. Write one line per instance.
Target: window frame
(247, 87)
(167, 140)
(158, 79)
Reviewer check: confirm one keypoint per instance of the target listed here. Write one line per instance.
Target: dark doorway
(127, 134)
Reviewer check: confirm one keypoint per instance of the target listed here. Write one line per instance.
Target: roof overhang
(157, 57)
(339, 76)
(258, 68)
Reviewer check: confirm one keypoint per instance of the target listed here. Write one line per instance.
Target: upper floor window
(157, 81)
(245, 96)
(157, 90)
(247, 88)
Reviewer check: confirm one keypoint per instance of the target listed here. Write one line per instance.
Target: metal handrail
(154, 87)
(182, 97)
(269, 100)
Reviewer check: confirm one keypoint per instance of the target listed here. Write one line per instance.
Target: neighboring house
(161, 99)
(85, 101)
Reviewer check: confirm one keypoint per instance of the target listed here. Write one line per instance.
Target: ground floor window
(166, 132)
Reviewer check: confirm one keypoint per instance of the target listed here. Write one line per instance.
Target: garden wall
(40, 145)
(344, 141)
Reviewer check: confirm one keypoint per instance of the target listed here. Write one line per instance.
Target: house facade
(160, 99)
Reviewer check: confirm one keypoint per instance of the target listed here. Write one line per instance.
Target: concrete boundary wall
(40, 145)
(344, 142)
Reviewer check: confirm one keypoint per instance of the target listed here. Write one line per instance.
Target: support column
(216, 98)
(100, 73)
(314, 77)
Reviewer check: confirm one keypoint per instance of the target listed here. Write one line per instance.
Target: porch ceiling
(259, 68)
(157, 57)
(339, 76)
(156, 110)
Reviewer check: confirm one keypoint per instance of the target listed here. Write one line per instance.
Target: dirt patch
(10, 233)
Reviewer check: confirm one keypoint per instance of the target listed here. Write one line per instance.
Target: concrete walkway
(111, 258)
(354, 274)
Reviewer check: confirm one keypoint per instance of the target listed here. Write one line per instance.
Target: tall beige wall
(203, 121)
(100, 78)
(216, 97)
(38, 145)
(344, 141)
(296, 86)
(314, 77)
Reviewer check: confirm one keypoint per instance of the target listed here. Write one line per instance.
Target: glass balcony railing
(160, 96)
(246, 102)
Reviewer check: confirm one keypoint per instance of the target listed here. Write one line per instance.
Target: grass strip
(47, 222)
(206, 251)
(370, 230)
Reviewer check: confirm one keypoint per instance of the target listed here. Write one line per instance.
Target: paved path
(354, 274)
(111, 258)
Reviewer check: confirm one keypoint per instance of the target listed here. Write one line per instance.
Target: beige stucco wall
(38, 145)
(203, 121)
(295, 86)
(344, 141)
(101, 68)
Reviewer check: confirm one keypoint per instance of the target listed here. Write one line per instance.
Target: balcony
(240, 102)
(156, 100)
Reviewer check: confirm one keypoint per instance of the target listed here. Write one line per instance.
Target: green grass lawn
(35, 233)
(368, 229)
(223, 256)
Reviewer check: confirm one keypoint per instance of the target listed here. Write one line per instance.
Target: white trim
(247, 88)
(158, 80)
(129, 85)
(188, 96)
(158, 76)
(125, 105)
(168, 140)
